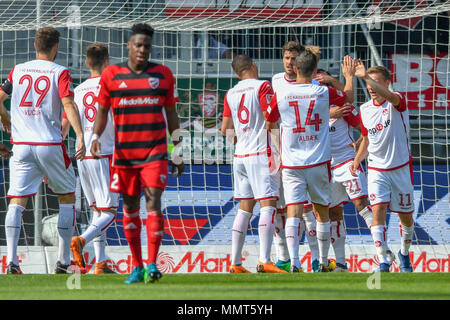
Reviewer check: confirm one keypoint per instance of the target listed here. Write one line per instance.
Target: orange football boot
(269, 267)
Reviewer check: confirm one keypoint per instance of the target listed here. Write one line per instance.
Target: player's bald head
(241, 63)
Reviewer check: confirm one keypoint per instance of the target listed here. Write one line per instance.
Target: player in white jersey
(384, 127)
(95, 173)
(40, 90)
(289, 52)
(305, 155)
(255, 174)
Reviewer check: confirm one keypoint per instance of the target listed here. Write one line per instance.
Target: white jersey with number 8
(86, 100)
(36, 107)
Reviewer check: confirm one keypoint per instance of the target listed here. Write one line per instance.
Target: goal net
(196, 39)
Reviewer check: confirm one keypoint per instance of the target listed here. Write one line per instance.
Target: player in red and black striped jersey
(142, 96)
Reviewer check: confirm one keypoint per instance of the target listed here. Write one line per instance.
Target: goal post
(196, 39)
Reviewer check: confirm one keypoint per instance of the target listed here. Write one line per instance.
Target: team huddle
(294, 153)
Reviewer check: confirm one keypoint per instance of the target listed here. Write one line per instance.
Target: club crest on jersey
(385, 112)
(153, 82)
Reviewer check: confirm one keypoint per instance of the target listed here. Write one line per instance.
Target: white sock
(98, 225)
(323, 240)
(338, 235)
(406, 234)
(238, 233)
(99, 241)
(66, 227)
(280, 237)
(367, 215)
(13, 223)
(292, 231)
(99, 247)
(311, 234)
(266, 229)
(379, 239)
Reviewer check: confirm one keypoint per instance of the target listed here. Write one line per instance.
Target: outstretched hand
(348, 67)
(360, 69)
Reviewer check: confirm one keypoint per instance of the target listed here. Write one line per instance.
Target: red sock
(132, 228)
(155, 227)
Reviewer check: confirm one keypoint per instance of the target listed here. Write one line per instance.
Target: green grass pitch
(340, 286)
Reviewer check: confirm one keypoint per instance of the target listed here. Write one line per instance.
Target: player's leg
(379, 189)
(279, 240)
(338, 236)
(318, 180)
(265, 187)
(244, 194)
(24, 180)
(309, 219)
(294, 184)
(238, 233)
(13, 224)
(132, 226)
(62, 181)
(402, 203)
(153, 179)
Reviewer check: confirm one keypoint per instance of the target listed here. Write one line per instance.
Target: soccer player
(94, 174)
(304, 109)
(245, 110)
(40, 90)
(142, 96)
(384, 127)
(289, 52)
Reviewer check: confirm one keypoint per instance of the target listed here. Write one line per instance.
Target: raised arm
(348, 70)
(361, 72)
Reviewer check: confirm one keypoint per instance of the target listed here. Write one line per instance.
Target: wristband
(95, 137)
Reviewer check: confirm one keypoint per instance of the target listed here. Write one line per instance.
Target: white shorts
(345, 186)
(253, 179)
(31, 163)
(95, 178)
(313, 181)
(393, 187)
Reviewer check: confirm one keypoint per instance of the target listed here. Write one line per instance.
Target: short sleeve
(272, 112)
(65, 84)
(7, 85)
(402, 105)
(104, 96)
(172, 93)
(353, 118)
(265, 95)
(337, 97)
(226, 107)
(364, 131)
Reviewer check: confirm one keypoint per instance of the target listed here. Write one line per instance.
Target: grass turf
(341, 286)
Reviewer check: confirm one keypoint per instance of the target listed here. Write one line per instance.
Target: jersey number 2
(41, 91)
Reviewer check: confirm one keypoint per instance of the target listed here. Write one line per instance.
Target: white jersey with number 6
(305, 111)
(36, 107)
(245, 103)
(86, 100)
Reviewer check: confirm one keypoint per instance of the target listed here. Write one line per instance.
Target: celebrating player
(143, 96)
(280, 80)
(94, 174)
(40, 90)
(384, 127)
(245, 110)
(304, 110)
